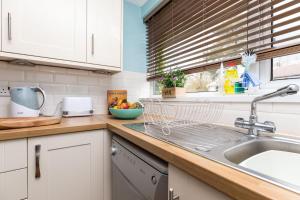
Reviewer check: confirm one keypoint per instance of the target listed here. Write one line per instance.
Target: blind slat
(196, 35)
(230, 48)
(240, 34)
(194, 27)
(218, 30)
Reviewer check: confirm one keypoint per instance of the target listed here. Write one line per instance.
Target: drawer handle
(9, 26)
(37, 161)
(172, 196)
(93, 44)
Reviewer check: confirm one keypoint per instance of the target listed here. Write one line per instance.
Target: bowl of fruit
(126, 110)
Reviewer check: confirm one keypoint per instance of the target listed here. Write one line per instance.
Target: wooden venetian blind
(196, 35)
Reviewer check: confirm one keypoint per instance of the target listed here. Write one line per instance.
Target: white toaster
(77, 106)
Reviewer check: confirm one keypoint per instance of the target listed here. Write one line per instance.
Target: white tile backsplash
(87, 80)
(65, 79)
(61, 82)
(52, 89)
(134, 82)
(286, 116)
(41, 77)
(80, 90)
(11, 75)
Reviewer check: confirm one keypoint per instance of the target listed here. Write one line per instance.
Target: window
(156, 88)
(286, 67)
(196, 36)
(202, 82)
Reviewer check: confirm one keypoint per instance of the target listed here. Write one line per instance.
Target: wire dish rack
(170, 115)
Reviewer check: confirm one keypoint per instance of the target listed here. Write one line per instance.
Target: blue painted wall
(134, 36)
(149, 5)
(134, 39)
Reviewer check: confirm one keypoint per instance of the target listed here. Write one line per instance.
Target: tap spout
(253, 126)
(287, 90)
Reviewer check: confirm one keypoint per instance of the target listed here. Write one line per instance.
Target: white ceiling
(138, 2)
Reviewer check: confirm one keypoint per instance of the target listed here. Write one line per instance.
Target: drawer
(13, 155)
(13, 185)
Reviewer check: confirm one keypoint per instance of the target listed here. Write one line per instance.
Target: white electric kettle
(25, 101)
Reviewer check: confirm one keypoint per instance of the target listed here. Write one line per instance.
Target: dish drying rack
(167, 116)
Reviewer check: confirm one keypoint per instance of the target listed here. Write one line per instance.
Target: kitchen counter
(225, 179)
(68, 125)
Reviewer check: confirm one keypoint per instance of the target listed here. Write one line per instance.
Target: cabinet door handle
(172, 196)
(9, 26)
(93, 44)
(37, 161)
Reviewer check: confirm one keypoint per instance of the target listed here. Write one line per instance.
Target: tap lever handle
(271, 125)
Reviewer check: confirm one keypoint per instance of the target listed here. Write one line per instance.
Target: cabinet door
(13, 155)
(13, 185)
(45, 28)
(70, 166)
(189, 188)
(104, 24)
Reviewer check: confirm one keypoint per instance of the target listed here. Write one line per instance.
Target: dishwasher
(137, 174)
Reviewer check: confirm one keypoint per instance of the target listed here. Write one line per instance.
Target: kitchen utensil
(25, 101)
(171, 115)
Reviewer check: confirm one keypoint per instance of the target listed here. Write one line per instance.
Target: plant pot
(173, 92)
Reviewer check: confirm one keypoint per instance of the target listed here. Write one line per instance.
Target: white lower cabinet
(13, 185)
(13, 169)
(190, 188)
(13, 155)
(66, 167)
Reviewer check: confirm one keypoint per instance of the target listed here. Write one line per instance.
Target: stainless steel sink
(243, 151)
(226, 145)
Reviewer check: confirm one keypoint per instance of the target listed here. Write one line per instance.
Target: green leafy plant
(172, 78)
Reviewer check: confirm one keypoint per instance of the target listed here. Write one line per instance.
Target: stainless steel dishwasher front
(137, 174)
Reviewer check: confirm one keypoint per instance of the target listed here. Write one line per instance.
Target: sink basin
(270, 158)
(246, 150)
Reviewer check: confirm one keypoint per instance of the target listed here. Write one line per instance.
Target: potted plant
(173, 83)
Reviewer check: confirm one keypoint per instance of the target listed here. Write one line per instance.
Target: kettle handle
(38, 89)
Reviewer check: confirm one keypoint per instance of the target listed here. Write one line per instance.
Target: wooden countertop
(67, 125)
(232, 182)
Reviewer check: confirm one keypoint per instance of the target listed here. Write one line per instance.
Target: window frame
(266, 76)
(283, 78)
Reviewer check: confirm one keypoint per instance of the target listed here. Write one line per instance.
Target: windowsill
(235, 98)
(266, 87)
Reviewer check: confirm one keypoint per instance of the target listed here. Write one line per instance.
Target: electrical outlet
(4, 91)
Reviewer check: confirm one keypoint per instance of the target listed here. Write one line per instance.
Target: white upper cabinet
(104, 32)
(46, 28)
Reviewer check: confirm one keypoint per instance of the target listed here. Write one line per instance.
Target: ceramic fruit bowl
(126, 113)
